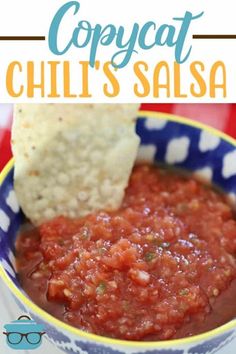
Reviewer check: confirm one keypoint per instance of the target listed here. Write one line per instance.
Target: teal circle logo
(24, 333)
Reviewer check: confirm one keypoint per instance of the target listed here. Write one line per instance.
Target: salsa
(162, 266)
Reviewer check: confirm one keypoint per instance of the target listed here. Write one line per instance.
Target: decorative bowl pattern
(164, 138)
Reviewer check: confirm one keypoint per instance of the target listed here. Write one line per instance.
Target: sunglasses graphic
(17, 337)
(24, 333)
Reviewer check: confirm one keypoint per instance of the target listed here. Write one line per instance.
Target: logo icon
(24, 333)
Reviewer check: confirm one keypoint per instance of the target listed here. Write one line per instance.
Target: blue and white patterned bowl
(165, 138)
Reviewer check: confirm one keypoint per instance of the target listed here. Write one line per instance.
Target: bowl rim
(111, 341)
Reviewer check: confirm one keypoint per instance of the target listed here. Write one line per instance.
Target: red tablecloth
(220, 116)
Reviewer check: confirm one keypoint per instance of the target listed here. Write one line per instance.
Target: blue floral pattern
(212, 345)
(163, 351)
(93, 348)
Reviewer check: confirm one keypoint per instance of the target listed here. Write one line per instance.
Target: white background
(27, 17)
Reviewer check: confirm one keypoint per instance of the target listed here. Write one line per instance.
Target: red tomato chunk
(154, 269)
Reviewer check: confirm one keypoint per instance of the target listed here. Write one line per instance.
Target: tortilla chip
(72, 159)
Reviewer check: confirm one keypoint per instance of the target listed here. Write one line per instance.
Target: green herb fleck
(101, 288)
(149, 256)
(125, 305)
(182, 208)
(102, 250)
(184, 292)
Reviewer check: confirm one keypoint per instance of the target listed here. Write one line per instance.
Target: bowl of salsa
(158, 275)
